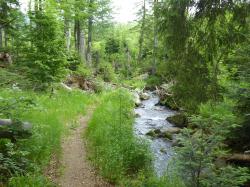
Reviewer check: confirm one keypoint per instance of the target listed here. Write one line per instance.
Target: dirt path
(77, 172)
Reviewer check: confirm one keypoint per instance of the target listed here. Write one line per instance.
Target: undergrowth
(48, 116)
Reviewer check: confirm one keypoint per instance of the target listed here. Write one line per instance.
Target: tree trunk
(90, 30)
(5, 39)
(155, 39)
(1, 38)
(128, 61)
(79, 40)
(141, 40)
(82, 46)
(67, 34)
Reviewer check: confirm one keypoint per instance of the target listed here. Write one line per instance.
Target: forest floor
(76, 171)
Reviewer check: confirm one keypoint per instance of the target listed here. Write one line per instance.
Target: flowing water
(151, 117)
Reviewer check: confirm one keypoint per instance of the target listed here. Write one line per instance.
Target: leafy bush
(46, 59)
(83, 71)
(114, 149)
(13, 161)
(30, 181)
(106, 71)
(153, 81)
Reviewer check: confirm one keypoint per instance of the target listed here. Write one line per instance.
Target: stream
(151, 117)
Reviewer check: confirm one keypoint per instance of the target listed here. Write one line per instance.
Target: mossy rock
(169, 102)
(179, 120)
(157, 133)
(166, 135)
(154, 133)
(163, 150)
(151, 133)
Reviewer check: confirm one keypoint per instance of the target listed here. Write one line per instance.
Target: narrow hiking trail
(76, 169)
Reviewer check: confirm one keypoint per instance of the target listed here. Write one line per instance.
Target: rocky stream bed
(151, 124)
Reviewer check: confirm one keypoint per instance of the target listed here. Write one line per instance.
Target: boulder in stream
(179, 120)
(144, 96)
(170, 103)
(173, 130)
(157, 133)
(136, 99)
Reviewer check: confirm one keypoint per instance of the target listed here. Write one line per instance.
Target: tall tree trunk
(5, 39)
(141, 40)
(90, 30)
(75, 33)
(1, 38)
(82, 45)
(128, 61)
(67, 33)
(79, 40)
(155, 39)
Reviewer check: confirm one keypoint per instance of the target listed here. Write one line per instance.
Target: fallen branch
(13, 130)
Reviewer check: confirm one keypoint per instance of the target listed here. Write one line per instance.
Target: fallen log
(239, 157)
(14, 130)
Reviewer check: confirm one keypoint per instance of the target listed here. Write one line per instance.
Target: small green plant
(201, 146)
(106, 71)
(30, 181)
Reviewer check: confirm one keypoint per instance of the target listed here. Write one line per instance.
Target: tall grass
(49, 119)
(114, 148)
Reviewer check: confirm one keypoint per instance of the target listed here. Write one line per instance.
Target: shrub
(106, 71)
(200, 147)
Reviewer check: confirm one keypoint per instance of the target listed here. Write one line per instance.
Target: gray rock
(144, 96)
(136, 99)
(179, 120)
(173, 130)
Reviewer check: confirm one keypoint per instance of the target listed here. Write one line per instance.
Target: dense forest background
(195, 53)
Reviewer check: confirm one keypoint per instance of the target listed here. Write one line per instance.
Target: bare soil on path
(77, 171)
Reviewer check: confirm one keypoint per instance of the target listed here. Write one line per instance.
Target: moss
(152, 133)
(166, 135)
(179, 120)
(170, 103)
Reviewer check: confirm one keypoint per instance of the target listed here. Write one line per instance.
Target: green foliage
(190, 60)
(13, 78)
(201, 146)
(153, 81)
(106, 71)
(114, 149)
(112, 46)
(14, 107)
(83, 71)
(73, 62)
(30, 181)
(153, 181)
(13, 161)
(46, 60)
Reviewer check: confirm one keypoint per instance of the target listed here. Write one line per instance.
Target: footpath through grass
(23, 163)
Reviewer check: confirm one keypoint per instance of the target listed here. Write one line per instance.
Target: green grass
(114, 149)
(51, 117)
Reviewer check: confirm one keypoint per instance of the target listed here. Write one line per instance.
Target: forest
(160, 101)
